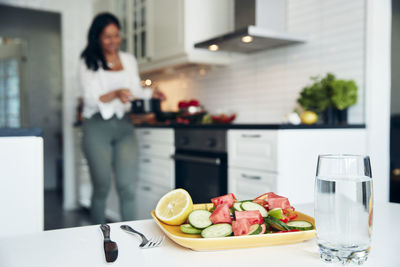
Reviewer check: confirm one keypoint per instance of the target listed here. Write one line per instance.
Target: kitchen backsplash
(263, 87)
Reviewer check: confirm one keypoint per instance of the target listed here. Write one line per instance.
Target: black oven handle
(214, 161)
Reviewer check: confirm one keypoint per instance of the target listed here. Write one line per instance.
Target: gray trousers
(109, 147)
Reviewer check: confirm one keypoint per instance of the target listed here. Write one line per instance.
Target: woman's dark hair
(93, 53)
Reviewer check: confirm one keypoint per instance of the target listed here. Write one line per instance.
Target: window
(9, 93)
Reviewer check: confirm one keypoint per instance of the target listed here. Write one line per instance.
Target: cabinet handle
(251, 135)
(146, 188)
(146, 160)
(146, 146)
(146, 133)
(252, 177)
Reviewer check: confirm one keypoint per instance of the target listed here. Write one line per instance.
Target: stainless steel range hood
(259, 25)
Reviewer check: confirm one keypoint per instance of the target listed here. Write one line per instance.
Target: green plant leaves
(328, 92)
(344, 94)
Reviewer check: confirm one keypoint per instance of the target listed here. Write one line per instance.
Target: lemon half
(174, 207)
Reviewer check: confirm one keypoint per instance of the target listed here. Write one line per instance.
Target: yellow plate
(196, 242)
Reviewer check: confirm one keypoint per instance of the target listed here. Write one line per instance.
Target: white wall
(378, 74)
(263, 87)
(41, 32)
(76, 16)
(348, 38)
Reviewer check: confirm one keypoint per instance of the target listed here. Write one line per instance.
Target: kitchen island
(21, 180)
(83, 246)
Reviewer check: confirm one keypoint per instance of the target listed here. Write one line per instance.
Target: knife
(110, 247)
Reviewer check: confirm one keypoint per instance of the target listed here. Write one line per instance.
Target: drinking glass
(343, 208)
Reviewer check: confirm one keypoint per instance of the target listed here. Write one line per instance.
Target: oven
(201, 163)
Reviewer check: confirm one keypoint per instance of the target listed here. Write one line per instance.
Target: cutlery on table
(146, 243)
(110, 247)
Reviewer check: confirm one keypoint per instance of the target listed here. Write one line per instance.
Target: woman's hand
(124, 95)
(158, 94)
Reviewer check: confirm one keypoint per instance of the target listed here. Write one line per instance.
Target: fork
(146, 243)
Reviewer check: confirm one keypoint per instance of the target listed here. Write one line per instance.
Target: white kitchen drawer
(147, 196)
(253, 149)
(157, 171)
(160, 150)
(248, 184)
(152, 135)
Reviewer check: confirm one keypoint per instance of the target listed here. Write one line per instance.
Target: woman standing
(109, 80)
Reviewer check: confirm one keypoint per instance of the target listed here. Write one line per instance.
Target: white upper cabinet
(163, 33)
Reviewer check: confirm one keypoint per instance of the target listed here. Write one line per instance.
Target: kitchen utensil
(110, 247)
(141, 106)
(146, 243)
(196, 242)
(343, 208)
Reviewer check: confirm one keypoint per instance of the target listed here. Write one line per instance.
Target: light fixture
(213, 47)
(247, 39)
(147, 82)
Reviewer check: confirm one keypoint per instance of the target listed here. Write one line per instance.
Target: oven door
(203, 175)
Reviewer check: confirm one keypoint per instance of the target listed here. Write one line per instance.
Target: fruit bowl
(196, 242)
(223, 118)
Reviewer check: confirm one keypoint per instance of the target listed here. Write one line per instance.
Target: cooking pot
(143, 106)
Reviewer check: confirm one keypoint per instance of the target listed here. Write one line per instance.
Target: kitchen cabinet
(135, 26)
(249, 183)
(147, 196)
(285, 160)
(156, 168)
(253, 149)
(163, 33)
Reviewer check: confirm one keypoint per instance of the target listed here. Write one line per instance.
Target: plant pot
(328, 116)
(341, 116)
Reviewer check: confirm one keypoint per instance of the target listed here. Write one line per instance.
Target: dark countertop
(252, 126)
(10, 132)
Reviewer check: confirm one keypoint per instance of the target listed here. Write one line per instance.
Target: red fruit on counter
(194, 102)
(232, 117)
(183, 104)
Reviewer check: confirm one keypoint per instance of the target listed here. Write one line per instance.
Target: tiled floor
(56, 218)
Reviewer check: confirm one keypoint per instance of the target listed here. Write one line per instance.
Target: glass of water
(343, 208)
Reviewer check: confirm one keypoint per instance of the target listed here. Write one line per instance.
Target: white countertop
(83, 246)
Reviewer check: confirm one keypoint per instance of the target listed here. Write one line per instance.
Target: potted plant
(329, 97)
(344, 94)
(316, 97)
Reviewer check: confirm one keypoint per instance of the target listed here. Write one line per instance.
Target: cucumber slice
(200, 219)
(217, 230)
(276, 223)
(188, 229)
(248, 205)
(300, 225)
(237, 206)
(263, 229)
(255, 229)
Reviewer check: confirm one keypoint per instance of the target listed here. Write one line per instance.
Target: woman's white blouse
(93, 84)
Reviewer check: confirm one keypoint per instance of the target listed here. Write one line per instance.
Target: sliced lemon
(277, 213)
(174, 207)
